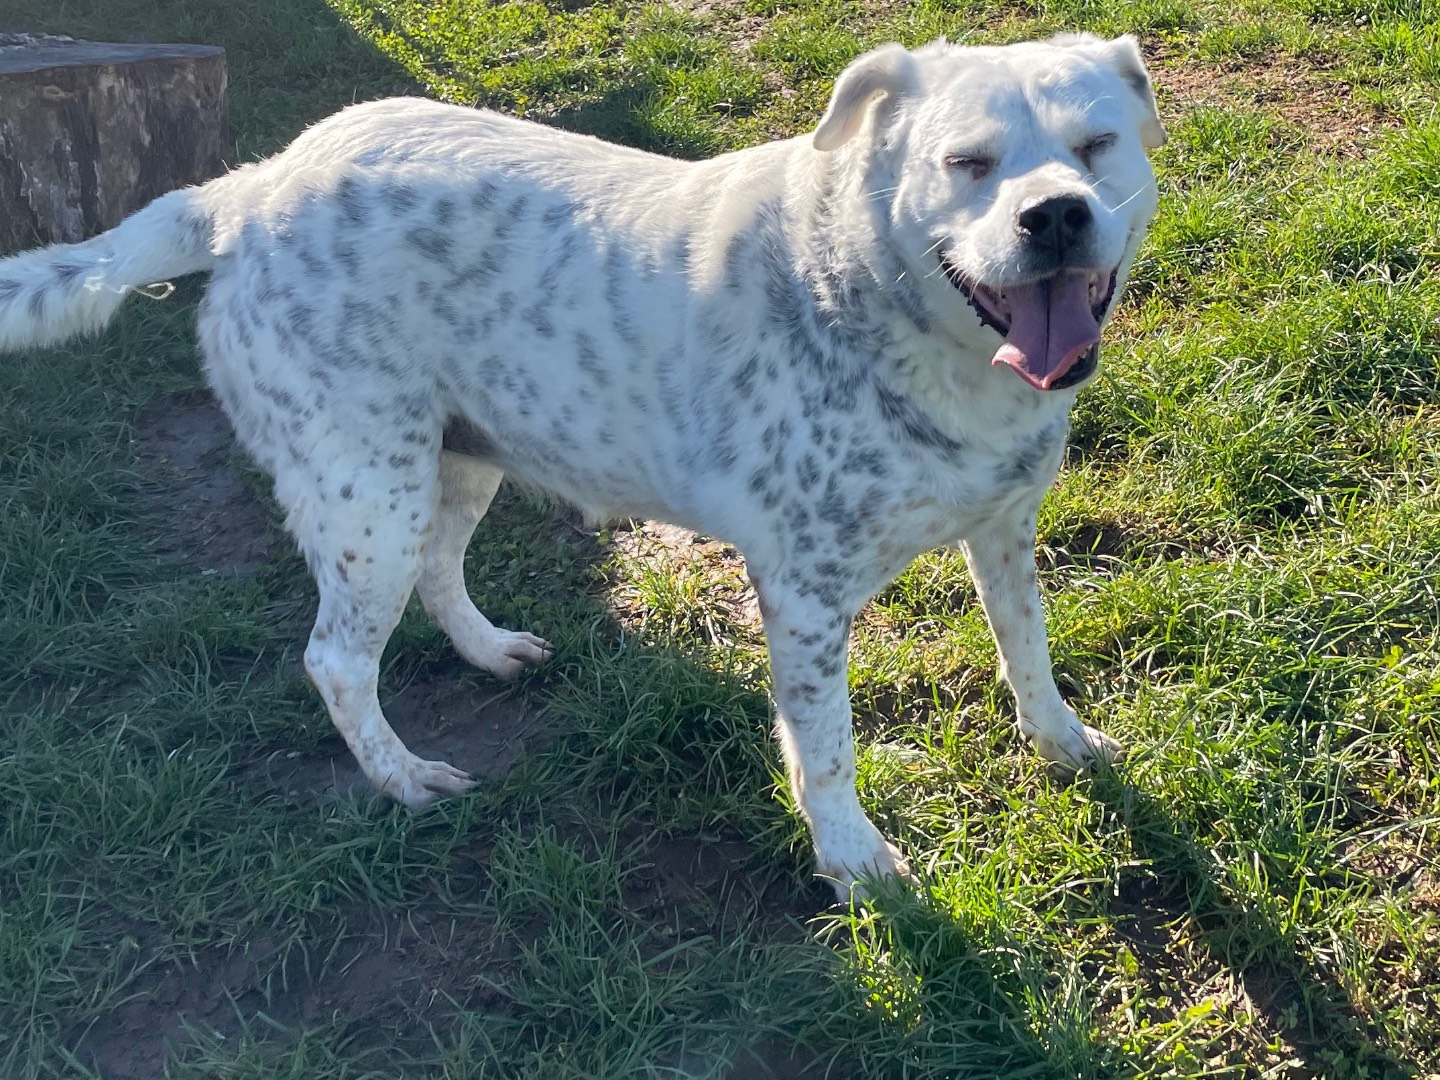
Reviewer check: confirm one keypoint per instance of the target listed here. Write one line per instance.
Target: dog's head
(1011, 182)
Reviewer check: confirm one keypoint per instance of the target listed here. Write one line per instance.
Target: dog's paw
(506, 653)
(848, 866)
(418, 783)
(1075, 745)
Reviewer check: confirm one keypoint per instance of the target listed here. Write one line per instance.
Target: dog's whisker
(1138, 192)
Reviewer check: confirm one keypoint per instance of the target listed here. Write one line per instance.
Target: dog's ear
(889, 70)
(1125, 55)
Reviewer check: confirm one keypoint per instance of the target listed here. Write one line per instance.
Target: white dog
(835, 352)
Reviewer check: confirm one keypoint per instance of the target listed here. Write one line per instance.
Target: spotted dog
(835, 352)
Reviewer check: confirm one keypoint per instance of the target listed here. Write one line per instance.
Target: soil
(1324, 108)
(720, 567)
(187, 453)
(480, 729)
(390, 971)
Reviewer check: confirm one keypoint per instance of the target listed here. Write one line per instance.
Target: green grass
(1240, 562)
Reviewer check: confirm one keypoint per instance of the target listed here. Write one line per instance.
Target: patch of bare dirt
(1109, 548)
(684, 875)
(379, 971)
(407, 972)
(713, 567)
(481, 729)
(1309, 97)
(185, 445)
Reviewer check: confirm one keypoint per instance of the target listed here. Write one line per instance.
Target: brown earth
(1329, 112)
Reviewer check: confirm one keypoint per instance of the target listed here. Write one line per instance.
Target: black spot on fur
(514, 213)
(589, 359)
(432, 243)
(870, 461)
(539, 318)
(558, 215)
(283, 398)
(744, 379)
(917, 427)
(400, 198)
(480, 273)
(354, 206)
(805, 691)
(808, 472)
(737, 259)
(346, 255)
(483, 197)
(314, 265)
(1029, 456)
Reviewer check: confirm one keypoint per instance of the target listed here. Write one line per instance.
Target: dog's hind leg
(364, 538)
(467, 485)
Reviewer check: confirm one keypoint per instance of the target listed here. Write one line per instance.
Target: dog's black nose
(1058, 223)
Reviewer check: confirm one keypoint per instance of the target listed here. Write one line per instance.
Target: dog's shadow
(1182, 882)
(1020, 1016)
(651, 719)
(680, 751)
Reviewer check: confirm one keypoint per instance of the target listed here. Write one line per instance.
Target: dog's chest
(941, 502)
(858, 515)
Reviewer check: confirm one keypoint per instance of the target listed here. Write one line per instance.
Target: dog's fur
(789, 347)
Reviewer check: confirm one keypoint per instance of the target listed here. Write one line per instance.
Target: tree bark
(91, 132)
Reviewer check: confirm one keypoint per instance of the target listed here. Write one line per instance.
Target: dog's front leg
(809, 645)
(1002, 564)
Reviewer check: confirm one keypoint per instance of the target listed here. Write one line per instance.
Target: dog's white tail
(53, 293)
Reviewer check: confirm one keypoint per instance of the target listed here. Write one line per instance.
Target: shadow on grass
(1298, 996)
(625, 814)
(970, 1001)
(618, 116)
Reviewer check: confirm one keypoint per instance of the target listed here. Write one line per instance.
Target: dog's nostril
(1077, 217)
(1059, 221)
(1036, 220)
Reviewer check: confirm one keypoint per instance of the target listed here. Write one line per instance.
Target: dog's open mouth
(1051, 327)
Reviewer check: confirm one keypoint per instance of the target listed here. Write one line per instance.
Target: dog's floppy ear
(889, 70)
(1125, 55)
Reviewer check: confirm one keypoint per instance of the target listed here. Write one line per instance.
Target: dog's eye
(976, 165)
(1098, 145)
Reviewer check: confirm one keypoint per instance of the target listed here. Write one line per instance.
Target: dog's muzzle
(1051, 326)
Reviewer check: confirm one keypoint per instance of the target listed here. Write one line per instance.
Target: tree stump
(90, 132)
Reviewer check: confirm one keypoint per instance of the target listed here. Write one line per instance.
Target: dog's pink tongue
(1051, 327)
